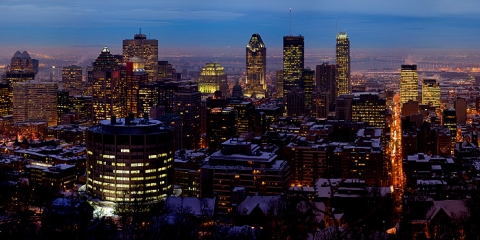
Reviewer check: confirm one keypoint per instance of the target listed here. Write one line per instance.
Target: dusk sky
(406, 24)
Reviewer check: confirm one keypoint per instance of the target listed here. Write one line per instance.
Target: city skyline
(225, 26)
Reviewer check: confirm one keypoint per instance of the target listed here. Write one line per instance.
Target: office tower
(5, 100)
(35, 101)
(296, 102)
(213, 78)
(187, 105)
(165, 70)
(408, 83)
(72, 79)
(460, 106)
(20, 69)
(431, 93)
(450, 121)
(265, 115)
(146, 49)
(221, 125)
(369, 108)
(129, 160)
(308, 87)
(320, 104)
(293, 62)
(175, 123)
(135, 76)
(64, 105)
(343, 65)
(246, 115)
(343, 107)
(148, 98)
(279, 83)
(325, 83)
(243, 164)
(256, 83)
(83, 105)
(107, 88)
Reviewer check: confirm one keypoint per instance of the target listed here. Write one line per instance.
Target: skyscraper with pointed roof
(107, 88)
(256, 57)
(343, 64)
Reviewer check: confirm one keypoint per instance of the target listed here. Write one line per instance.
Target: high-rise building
(135, 77)
(308, 79)
(256, 84)
(221, 125)
(130, 160)
(35, 101)
(21, 68)
(369, 108)
(5, 100)
(107, 88)
(64, 103)
(460, 106)
(146, 49)
(83, 105)
(325, 83)
(449, 121)
(246, 115)
(343, 65)
(72, 79)
(296, 102)
(279, 83)
(165, 70)
(293, 62)
(187, 104)
(343, 107)
(408, 83)
(213, 78)
(431, 93)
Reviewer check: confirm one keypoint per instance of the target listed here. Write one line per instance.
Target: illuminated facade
(369, 108)
(308, 80)
(408, 83)
(279, 83)
(213, 78)
(72, 79)
(449, 121)
(107, 88)
(293, 62)
(256, 84)
(5, 100)
(35, 101)
(343, 65)
(246, 115)
(129, 160)
(135, 77)
(431, 93)
(146, 49)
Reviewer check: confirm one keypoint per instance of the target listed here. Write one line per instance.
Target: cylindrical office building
(129, 160)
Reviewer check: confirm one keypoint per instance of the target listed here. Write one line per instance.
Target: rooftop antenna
(140, 30)
(290, 21)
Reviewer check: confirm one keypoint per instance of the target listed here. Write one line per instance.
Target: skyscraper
(146, 49)
(187, 105)
(135, 78)
(369, 108)
(256, 84)
(35, 101)
(325, 83)
(293, 62)
(408, 83)
(343, 64)
(72, 79)
(431, 93)
(308, 75)
(213, 78)
(221, 125)
(107, 88)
